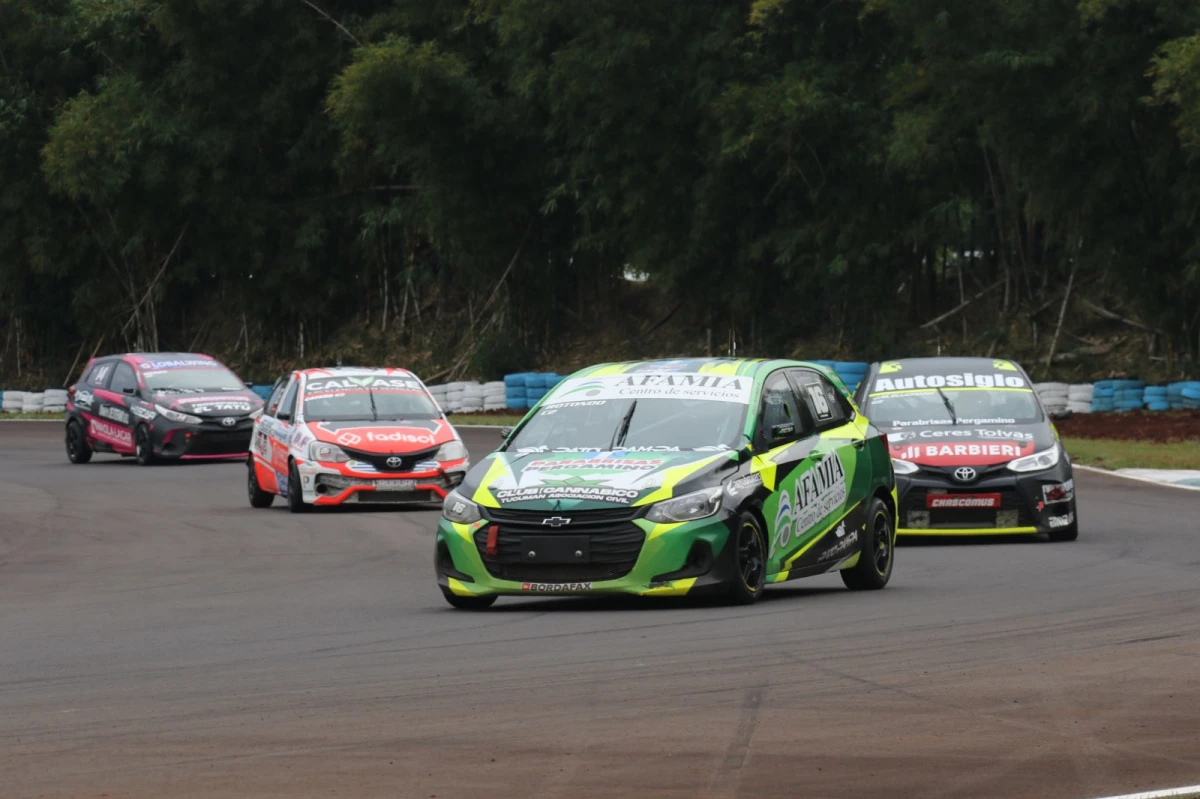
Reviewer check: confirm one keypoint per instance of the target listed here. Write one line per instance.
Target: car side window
(780, 409)
(276, 395)
(123, 378)
(826, 404)
(98, 376)
(288, 406)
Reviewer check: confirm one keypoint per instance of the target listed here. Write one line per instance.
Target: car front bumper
(630, 557)
(325, 484)
(209, 440)
(933, 504)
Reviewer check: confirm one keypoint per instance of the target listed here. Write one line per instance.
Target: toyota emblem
(394, 462)
(229, 421)
(556, 521)
(964, 474)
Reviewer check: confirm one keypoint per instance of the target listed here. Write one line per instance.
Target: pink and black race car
(353, 435)
(162, 405)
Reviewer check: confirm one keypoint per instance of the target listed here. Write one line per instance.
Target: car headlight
(688, 507)
(256, 414)
(458, 508)
(451, 451)
(1037, 461)
(326, 453)
(904, 467)
(176, 416)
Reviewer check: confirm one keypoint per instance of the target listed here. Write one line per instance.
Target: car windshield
(215, 378)
(373, 403)
(653, 423)
(953, 406)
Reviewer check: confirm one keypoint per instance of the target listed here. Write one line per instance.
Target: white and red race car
(353, 435)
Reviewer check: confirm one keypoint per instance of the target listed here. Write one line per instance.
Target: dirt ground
(1158, 426)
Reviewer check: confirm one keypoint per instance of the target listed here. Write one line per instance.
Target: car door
(841, 446)
(111, 404)
(261, 442)
(281, 431)
(784, 437)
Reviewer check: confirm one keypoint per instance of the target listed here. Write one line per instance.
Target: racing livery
(673, 478)
(163, 405)
(352, 435)
(973, 449)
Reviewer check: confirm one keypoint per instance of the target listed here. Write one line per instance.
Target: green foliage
(463, 174)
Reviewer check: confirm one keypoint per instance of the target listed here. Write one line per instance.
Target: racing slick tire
(1065, 533)
(295, 499)
(468, 602)
(78, 449)
(143, 450)
(874, 567)
(750, 559)
(258, 497)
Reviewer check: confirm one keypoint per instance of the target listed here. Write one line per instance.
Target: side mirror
(782, 432)
(130, 390)
(505, 432)
(283, 417)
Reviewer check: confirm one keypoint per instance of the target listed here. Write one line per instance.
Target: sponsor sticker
(607, 464)
(118, 415)
(744, 485)
(556, 588)
(846, 543)
(977, 432)
(372, 382)
(407, 435)
(1058, 492)
(594, 493)
(109, 433)
(179, 363)
(961, 380)
(946, 501)
(143, 412)
(818, 492)
(1061, 521)
(973, 454)
(660, 385)
(84, 399)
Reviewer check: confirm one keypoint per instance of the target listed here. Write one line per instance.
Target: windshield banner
(341, 385)
(665, 385)
(963, 380)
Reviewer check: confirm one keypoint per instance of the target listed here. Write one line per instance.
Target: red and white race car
(342, 435)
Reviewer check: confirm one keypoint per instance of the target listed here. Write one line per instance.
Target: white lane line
(1191, 790)
(1111, 473)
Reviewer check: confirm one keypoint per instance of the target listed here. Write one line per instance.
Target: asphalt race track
(160, 638)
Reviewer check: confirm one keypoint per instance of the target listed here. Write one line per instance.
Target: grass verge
(1112, 454)
(27, 416)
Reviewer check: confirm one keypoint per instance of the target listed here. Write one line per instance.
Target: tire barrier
(51, 400)
(524, 389)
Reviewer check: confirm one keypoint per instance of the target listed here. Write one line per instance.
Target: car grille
(220, 443)
(614, 543)
(408, 460)
(965, 518)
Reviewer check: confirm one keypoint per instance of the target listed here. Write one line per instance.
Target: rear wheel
(142, 448)
(750, 557)
(468, 602)
(78, 449)
(295, 499)
(874, 567)
(258, 497)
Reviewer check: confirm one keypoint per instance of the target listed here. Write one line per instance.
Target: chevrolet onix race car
(165, 405)
(672, 478)
(352, 435)
(973, 449)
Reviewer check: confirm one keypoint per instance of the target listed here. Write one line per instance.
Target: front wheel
(468, 602)
(874, 567)
(78, 449)
(750, 556)
(258, 497)
(142, 448)
(295, 499)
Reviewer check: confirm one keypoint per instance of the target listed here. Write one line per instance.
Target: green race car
(674, 478)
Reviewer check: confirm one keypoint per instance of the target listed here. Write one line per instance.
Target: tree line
(453, 173)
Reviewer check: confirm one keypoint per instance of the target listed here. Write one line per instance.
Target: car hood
(967, 444)
(210, 404)
(549, 480)
(385, 437)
